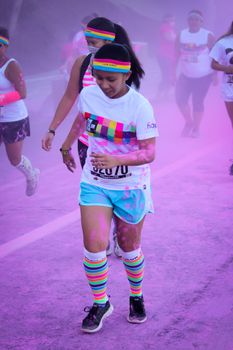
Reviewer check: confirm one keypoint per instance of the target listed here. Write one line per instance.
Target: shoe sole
(136, 320)
(108, 313)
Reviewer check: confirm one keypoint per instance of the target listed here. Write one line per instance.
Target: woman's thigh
(96, 224)
(183, 90)
(200, 88)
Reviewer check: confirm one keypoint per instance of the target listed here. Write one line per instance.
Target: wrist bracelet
(51, 131)
(64, 152)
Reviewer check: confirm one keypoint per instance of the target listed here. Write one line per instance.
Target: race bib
(191, 58)
(230, 79)
(119, 172)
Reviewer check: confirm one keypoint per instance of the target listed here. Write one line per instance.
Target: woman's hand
(103, 161)
(47, 141)
(68, 160)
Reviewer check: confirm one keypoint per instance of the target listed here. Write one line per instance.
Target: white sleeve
(80, 103)
(146, 126)
(217, 52)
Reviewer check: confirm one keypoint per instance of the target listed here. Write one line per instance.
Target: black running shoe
(137, 313)
(231, 170)
(96, 314)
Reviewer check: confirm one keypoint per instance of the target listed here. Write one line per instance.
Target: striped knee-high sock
(96, 269)
(134, 266)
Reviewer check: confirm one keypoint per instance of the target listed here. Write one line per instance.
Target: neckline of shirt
(115, 100)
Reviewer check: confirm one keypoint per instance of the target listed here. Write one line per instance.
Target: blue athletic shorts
(129, 205)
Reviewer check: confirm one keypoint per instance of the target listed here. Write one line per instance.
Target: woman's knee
(127, 245)
(95, 245)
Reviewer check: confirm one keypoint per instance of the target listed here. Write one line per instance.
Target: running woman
(14, 121)
(192, 47)
(115, 178)
(99, 31)
(222, 60)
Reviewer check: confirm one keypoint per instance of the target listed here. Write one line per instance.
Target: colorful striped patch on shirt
(110, 130)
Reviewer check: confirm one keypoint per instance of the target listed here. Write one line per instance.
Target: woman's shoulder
(11, 65)
(226, 40)
(88, 90)
(78, 63)
(136, 93)
(9, 61)
(138, 98)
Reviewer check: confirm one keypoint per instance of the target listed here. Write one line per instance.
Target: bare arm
(221, 67)
(69, 96)
(15, 76)
(65, 104)
(76, 130)
(177, 48)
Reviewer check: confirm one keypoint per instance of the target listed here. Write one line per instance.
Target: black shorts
(82, 152)
(197, 88)
(11, 132)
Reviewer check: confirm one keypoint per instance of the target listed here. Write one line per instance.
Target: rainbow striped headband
(100, 34)
(108, 65)
(4, 40)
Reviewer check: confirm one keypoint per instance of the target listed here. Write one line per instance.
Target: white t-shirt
(114, 127)
(222, 52)
(194, 53)
(13, 111)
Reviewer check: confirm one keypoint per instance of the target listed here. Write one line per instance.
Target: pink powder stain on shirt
(102, 142)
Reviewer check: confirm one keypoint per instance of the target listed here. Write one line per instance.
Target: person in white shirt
(222, 60)
(116, 176)
(14, 121)
(195, 73)
(98, 32)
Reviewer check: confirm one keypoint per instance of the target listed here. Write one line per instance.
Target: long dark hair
(4, 32)
(121, 37)
(228, 33)
(136, 67)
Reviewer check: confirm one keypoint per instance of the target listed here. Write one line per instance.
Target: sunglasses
(1, 45)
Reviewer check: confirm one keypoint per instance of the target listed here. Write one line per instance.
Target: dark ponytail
(4, 32)
(136, 68)
(228, 33)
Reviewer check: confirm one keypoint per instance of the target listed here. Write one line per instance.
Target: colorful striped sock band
(99, 34)
(135, 271)
(109, 65)
(4, 40)
(97, 275)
